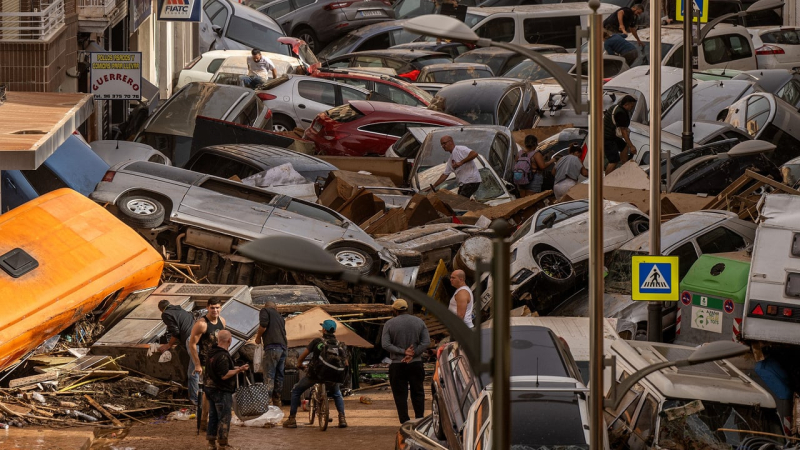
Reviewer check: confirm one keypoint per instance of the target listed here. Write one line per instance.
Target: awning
(34, 124)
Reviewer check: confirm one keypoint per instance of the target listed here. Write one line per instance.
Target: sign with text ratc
(180, 10)
(116, 75)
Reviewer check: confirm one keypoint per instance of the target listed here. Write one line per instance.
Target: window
(551, 30)
(686, 257)
(793, 284)
(481, 417)
(238, 190)
(643, 58)
(221, 166)
(213, 66)
(377, 42)
(43, 180)
(790, 93)
(507, 107)
(317, 92)
(380, 128)
(645, 424)
(671, 95)
(796, 244)
(249, 114)
(279, 9)
(676, 59)
(397, 65)
(255, 35)
(611, 67)
(303, 3)
(368, 61)
(354, 82)
(500, 29)
(720, 240)
(396, 94)
(212, 7)
(725, 48)
(497, 154)
(402, 36)
(352, 94)
(785, 37)
(157, 159)
(758, 110)
(220, 18)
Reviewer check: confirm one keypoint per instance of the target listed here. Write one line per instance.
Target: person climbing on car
(567, 171)
(617, 144)
(257, 67)
(329, 364)
(179, 324)
(461, 162)
(529, 168)
(618, 26)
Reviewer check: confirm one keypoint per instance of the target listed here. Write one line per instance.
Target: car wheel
(283, 124)
(356, 259)
(639, 225)
(139, 211)
(306, 34)
(436, 420)
(555, 267)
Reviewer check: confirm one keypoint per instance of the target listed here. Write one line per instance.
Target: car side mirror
(217, 30)
(549, 220)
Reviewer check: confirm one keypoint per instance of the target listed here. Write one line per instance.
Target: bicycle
(318, 406)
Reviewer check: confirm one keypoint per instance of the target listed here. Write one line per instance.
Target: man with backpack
(329, 364)
(529, 168)
(617, 144)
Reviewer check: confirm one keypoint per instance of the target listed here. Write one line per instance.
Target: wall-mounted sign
(116, 75)
(180, 10)
(140, 11)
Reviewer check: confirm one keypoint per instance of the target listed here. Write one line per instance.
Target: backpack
(331, 364)
(523, 173)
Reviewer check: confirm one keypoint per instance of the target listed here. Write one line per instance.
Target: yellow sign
(437, 290)
(654, 278)
(702, 13)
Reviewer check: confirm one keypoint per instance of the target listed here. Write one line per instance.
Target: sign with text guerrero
(116, 75)
(180, 10)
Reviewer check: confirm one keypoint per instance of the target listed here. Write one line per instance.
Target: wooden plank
(391, 222)
(773, 183)
(719, 200)
(340, 308)
(103, 411)
(33, 379)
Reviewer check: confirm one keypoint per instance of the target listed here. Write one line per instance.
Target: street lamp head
(440, 26)
(764, 5)
(293, 254)
(594, 4)
(717, 350)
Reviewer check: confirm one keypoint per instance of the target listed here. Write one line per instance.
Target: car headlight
(521, 276)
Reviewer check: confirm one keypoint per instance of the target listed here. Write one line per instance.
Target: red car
(393, 89)
(368, 128)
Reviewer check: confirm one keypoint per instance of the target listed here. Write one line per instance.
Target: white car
(206, 65)
(777, 47)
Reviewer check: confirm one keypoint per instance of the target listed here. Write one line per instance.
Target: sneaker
(290, 423)
(342, 421)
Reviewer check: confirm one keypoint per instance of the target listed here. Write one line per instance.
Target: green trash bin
(711, 306)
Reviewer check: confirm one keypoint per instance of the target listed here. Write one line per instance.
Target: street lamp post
(687, 138)
(654, 329)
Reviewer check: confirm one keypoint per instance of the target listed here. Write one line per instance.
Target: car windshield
(619, 271)
(450, 76)
(338, 47)
(255, 35)
(425, 95)
(529, 70)
(489, 189)
(407, 146)
(432, 59)
(432, 154)
(699, 426)
(472, 19)
(406, 9)
(559, 413)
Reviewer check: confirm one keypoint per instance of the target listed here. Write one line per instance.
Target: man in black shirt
(616, 135)
(272, 331)
(179, 326)
(617, 26)
(219, 390)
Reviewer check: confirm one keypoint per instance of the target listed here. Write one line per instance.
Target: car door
(304, 220)
(477, 431)
(311, 97)
(279, 11)
(507, 109)
(226, 206)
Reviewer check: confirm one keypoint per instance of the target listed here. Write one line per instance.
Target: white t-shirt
(454, 305)
(261, 68)
(468, 173)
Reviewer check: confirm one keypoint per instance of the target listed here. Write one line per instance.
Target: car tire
(556, 268)
(281, 123)
(140, 211)
(639, 225)
(436, 419)
(307, 34)
(356, 259)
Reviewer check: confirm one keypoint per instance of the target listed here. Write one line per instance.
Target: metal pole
(501, 336)
(687, 138)
(596, 421)
(654, 308)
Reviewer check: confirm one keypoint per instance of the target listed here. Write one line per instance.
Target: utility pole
(654, 329)
(687, 138)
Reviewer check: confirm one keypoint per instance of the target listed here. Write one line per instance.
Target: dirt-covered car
(550, 251)
(190, 213)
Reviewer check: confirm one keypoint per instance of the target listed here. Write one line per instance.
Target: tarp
(304, 328)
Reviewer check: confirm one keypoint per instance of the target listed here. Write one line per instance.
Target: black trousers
(401, 376)
(466, 190)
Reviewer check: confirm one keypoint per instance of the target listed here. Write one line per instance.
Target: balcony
(94, 16)
(32, 26)
(95, 9)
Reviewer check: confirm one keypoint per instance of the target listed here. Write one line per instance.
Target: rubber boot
(290, 422)
(212, 444)
(204, 417)
(223, 445)
(342, 421)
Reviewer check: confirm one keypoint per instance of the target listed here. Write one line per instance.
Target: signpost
(180, 10)
(116, 75)
(701, 12)
(655, 278)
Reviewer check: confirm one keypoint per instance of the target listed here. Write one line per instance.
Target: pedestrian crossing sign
(654, 278)
(701, 10)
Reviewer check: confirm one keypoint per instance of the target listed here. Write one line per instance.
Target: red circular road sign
(728, 306)
(686, 297)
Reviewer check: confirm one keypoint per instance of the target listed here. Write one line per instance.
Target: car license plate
(316, 126)
(370, 13)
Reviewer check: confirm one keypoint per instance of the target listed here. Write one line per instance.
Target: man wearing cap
(315, 348)
(406, 337)
(179, 327)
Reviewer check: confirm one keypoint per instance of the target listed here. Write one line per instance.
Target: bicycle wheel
(323, 407)
(312, 405)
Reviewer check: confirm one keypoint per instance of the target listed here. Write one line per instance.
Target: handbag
(251, 400)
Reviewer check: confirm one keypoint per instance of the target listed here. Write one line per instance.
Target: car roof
(673, 34)
(542, 9)
(378, 27)
(717, 381)
(367, 107)
(398, 53)
(241, 10)
(490, 88)
(639, 78)
(701, 129)
(500, 51)
(679, 229)
(271, 156)
(226, 53)
(533, 350)
(161, 171)
(422, 45)
(769, 80)
(453, 66)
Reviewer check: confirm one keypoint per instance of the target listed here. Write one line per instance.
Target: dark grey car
(318, 22)
(491, 101)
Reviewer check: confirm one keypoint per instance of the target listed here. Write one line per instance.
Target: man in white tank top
(461, 303)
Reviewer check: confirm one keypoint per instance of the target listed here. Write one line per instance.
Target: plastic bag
(273, 416)
(283, 175)
(165, 357)
(258, 358)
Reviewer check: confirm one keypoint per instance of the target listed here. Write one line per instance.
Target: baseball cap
(329, 325)
(400, 305)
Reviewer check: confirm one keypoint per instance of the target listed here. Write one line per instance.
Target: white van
(533, 24)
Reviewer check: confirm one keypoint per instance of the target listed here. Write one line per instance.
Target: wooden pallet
(740, 197)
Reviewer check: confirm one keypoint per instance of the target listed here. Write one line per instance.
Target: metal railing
(95, 8)
(32, 26)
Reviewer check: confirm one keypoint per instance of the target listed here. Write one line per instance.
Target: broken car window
(720, 240)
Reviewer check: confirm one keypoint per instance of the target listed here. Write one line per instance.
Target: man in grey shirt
(405, 337)
(257, 67)
(567, 171)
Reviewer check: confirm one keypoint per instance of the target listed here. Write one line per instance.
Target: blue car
(73, 165)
